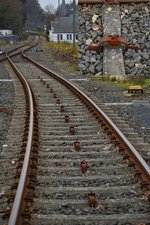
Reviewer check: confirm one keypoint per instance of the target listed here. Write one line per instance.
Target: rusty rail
(20, 190)
(29, 44)
(117, 135)
(28, 152)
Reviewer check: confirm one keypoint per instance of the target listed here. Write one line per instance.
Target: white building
(6, 32)
(62, 30)
(62, 27)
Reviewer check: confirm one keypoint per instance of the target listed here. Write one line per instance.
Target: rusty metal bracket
(113, 41)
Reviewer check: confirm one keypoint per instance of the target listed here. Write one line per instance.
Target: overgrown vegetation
(2, 42)
(64, 47)
(132, 80)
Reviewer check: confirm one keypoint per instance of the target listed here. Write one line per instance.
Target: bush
(2, 42)
(113, 79)
(64, 47)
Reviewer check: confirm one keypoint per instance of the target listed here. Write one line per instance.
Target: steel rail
(103, 1)
(137, 159)
(15, 49)
(21, 186)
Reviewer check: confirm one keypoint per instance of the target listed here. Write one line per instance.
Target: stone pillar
(113, 63)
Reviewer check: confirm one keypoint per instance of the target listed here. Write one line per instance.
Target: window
(67, 36)
(61, 37)
(70, 36)
(57, 37)
(76, 36)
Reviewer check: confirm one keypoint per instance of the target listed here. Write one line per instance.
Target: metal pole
(58, 20)
(74, 26)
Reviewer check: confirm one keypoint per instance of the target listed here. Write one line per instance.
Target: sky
(43, 3)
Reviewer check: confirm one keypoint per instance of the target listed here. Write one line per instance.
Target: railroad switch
(112, 41)
(135, 89)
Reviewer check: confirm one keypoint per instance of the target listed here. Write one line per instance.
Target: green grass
(2, 42)
(133, 80)
(64, 47)
(147, 83)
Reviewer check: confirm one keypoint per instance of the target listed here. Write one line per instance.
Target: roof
(63, 25)
(63, 9)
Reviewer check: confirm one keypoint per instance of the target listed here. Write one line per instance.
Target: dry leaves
(94, 18)
(95, 26)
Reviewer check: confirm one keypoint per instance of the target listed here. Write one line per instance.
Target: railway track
(82, 169)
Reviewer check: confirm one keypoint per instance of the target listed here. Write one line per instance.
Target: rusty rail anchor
(113, 41)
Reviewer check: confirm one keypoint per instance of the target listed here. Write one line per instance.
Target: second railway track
(70, 137)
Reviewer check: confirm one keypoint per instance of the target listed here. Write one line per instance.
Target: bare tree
(49, 15)
(49, 9)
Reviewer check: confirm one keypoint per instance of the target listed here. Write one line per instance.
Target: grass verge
(133, 80)
(64, 47)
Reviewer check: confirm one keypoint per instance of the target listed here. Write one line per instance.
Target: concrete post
(113, 63)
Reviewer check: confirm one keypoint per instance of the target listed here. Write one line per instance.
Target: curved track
(76, 174)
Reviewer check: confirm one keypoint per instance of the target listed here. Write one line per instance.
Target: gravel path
(7, 103)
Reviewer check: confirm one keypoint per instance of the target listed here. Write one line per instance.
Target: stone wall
(135, 27)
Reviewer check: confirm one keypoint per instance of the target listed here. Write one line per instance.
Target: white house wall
(53, 37)
(6, 32)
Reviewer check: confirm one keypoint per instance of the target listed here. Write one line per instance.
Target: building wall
(64, 37)
(6, 32)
